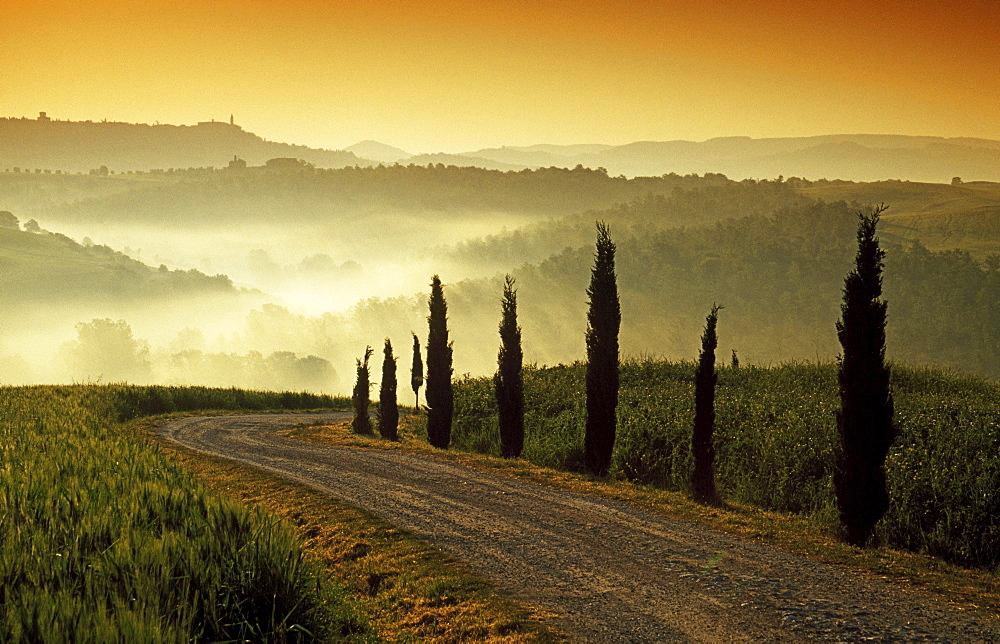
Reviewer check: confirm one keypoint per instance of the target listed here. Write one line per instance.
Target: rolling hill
(963, 216)
(82, 146)
(861, 157)
(43, 267)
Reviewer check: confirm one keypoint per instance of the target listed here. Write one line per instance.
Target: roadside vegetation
(106, 536)
(810, 534)
(101, 537)
(775, 439)
(406, 590)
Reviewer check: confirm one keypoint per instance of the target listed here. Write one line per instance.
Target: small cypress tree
(440, 396)
(703, 476)
(388, 414)
(362, 424)
(736, 360)
(865, 420)
(508, 381)
(416, 374)
(603, 324)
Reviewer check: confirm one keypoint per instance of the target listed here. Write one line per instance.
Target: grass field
(775, 436)
(939, 216)
(102, 539)
(106, 536)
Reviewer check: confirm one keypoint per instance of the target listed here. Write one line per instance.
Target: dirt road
(605, 571)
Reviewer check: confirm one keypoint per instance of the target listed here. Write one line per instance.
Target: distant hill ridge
(42, 266)
(855, 157)
(79, 146)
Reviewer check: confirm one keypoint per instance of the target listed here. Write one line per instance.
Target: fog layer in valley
(317, 264)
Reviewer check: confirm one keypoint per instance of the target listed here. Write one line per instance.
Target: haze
(207, 254)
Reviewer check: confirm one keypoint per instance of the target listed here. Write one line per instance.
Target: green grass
(940, 216)
(406, 590)
(103, 539)
(48, 267)
(775, 438)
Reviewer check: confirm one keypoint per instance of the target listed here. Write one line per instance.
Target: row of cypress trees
(865, 426)
(439, 393)
(603, 325)
(604, 321)
(865, 421)
(388, 410)
(508, 381)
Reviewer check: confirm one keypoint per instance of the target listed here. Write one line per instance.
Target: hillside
(378, 152)
(82, 146)
(861, 157)
(779, 275)
(303, 194)
(939, 216)
(48, 267)
(470, 161)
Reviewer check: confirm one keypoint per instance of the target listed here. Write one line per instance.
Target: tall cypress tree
(362, 387)
(865, 420)
(508, 381)
(439, 393)
(703, 476)
(603, 324)
(388, 412)
(416, 374)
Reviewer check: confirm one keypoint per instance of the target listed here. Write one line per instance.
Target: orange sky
(449, 75)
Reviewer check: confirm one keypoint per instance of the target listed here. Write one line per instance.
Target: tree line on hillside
(777, 274)
(865, 421)
(435, 190)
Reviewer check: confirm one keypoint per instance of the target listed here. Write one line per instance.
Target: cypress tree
(865, 420)
(388, 416)
(362, 424)
(603, 324)
(440, 396)
(508, 381)
(416, 374)
(703, 476)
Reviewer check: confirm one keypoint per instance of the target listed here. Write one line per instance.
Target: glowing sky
(432, 75)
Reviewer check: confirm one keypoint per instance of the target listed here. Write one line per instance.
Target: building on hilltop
(214, 123)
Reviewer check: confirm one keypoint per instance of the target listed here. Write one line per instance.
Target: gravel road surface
(602, 570)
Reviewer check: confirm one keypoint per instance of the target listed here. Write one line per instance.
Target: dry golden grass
(801, 535)
(407, 590)
(412, 592)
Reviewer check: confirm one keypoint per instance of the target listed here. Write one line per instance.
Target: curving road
(605, 571)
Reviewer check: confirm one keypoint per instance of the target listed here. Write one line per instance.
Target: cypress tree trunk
(603, 324)
(440, 396)
(388, 416)
(416, 374)
(362, 386)
(508, 381)
(865, 420)
(703, 476)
